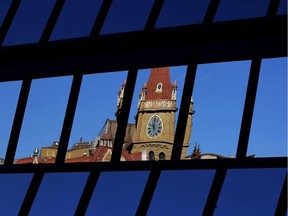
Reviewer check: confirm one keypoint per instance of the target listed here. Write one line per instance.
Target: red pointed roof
(159, 76)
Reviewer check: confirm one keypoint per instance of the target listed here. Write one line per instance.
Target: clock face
(154, 126)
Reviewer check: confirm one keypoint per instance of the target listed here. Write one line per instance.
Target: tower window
(151, 155)
(162, 156)
(159, 87)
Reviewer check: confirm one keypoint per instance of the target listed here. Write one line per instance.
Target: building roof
(159, 76)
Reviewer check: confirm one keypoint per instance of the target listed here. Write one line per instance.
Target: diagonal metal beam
(101, 18)
(8, 19)
(211, 11)
(87, 193)
(281, 208)
(69, 117)
(248, 108)
(17, 123)
(148, 192)
(214, 192)
(52, 21)
(183, 113)
(31, 193)
(152, 19)
(122, 119)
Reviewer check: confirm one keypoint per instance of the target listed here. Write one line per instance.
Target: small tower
(120, 99)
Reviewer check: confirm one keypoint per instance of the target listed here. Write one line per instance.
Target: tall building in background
(156, 117)
(150, 138)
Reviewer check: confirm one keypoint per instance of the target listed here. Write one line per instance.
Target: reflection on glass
(127, 15)
(13, 190)
(117, 193)
(95, 125)
(59, 194)
(219, 95)
(241, 9)
(76, 19)
(183, 12)
(29, 22)
(250, 192)
(268, 136)
(154, 113)
(181, 192)
(4, 7)
(43, 120)
(9, 92)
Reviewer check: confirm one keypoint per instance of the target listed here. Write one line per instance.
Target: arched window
(159, 87)
(151, 155)
(162, 156)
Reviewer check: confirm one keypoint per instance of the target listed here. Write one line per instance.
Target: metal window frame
(265, 37)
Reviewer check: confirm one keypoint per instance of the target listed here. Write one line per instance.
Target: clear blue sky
(219, 95)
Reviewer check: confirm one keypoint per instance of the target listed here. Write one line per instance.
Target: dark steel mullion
(8, 19)
(124, 115)
(211, 11)
(148, 192)
(87, 193)
(281, 208)
(69, 117)
(214, 192)
(101, 18)
(273, 8)
(248, 108)
(31, 193)
(183, 113)
(17, 123)
(52, 20)
(152, 19)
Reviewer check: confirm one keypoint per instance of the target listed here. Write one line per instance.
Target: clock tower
(155, 119)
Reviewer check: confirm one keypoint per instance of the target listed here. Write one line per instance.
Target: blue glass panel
(29, 22)
(44, 114)
(127, 15)
(117, 193)
(4, 7)
(182, 12)
(59, 194)
(76, 19)
(181, 192)
(268, 136)
(282, 7)
(9, 92)
(241, 9)
(250, 192)
(13, 190)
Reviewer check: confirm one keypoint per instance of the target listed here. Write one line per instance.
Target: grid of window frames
(125, 35)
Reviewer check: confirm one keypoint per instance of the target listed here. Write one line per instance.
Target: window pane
(95, 117)
(59, 194)
(182, 12)
(29, 22)
(241, 9)
(250, 192)
(43, 119)
(219, 95)
(13, 190)
(181, 192)
(9, 92)
(117, 193)
(268, 136)
(127, 15)
(282, 7)
(76, 19)
(154, 100)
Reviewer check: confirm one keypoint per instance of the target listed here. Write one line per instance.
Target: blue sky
(219, 95)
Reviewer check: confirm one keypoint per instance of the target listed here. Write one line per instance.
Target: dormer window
(159, 87)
